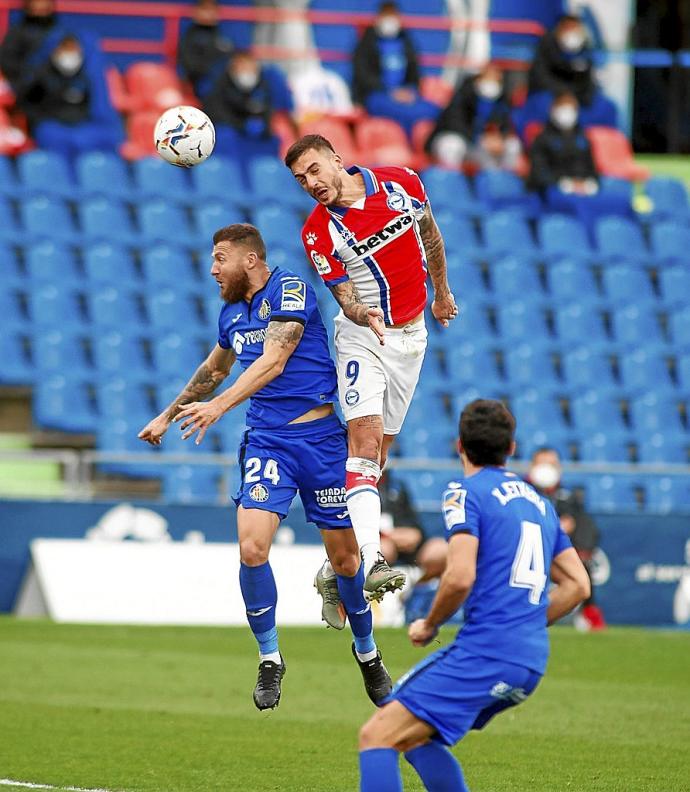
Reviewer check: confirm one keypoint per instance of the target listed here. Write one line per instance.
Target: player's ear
(338, 160)
(458, 446)
(513, 446)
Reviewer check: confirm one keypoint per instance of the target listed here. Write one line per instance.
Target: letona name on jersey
(385, 235)
(518, 489)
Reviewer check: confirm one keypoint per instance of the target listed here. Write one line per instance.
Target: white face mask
(388, 26)
(488, 89)
(572, 40)
(564, 116)
(68, 63)
(246, 80)
(545, 475)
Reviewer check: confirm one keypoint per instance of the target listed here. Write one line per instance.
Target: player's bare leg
(256, 529)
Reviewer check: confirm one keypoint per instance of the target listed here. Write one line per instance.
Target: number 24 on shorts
(252, 469)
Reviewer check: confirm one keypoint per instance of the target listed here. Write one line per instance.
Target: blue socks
(439, 770)
(379, 771)
(358, 610)
(260, 597)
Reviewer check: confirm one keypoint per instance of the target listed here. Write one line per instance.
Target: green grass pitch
(170, 710)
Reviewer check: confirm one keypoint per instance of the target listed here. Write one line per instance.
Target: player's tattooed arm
(443, 306)
(356, 311)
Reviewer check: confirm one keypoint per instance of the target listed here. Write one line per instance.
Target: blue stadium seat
(8, 177)
(594, 411)
(663, 448)
(469, 363)
(277, 223)
(231, 429)
(529, 364)
(610, 494)
(624, 284)
(11, 273)
(427, 487)
(461, 399)
(530, 439)
(168, 308)
(508, 232)
(9, 233)
(192, 484)
(667, 494)
(270, 180)
(670, 242)
(160, 220)
(121, 397)
(101, 172)
(55, 307)
(584, 368)
(212, 214)
(458, 232)
(568, 276)
(115, 308)
(533, 409)
(561, 235)
(674, 284)
(63, 403)
(154, 177)
(220, 178)
(105, 261)
(683, 372)
(119, 435)
(514, 277)
(656, 411)
(465, 276)
(500, 189)
(16, 368)
(58, 352)
(175, 354)
(636, 324)
(679, 326)
(670, 199)
(520, 320)
(433, 440)
(12, 302)
(620, 239)
(107, 218)
(641, 368)
(48, 262)
(117, 352)
(605, 447)
(472, 324)
(44, 172)
(449, 190)
(169, 265)
(44, 216)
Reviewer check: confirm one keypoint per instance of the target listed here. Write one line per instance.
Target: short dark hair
(487, 428)
(317, 142)
(242, 234)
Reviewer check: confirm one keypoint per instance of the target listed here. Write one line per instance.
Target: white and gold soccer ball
(184, 136)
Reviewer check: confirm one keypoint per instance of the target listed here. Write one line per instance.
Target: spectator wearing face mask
(203, 49)
(24, 39)
(562, 168)
(66, 100)
(240, 105)
(386, 72)
(545, 476)
(476, 126)
(563, 62)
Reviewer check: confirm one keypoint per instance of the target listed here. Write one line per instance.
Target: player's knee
(432, 557)
(368, 735)
(345, 563)
(253, 552)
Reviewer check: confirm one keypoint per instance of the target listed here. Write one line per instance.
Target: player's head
(317, 167)
(239, 256)
(487, 431)
(545, 469)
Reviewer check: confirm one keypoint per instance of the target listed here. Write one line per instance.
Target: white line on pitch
(29, 785)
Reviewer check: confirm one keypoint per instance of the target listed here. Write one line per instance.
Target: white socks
(364, 506)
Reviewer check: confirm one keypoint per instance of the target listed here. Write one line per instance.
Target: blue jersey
(519, 534)
(308, 379)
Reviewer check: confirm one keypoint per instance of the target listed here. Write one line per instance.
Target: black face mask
(41, 21)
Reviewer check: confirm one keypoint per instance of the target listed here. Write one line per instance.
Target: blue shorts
(308, 458)
(454, 690)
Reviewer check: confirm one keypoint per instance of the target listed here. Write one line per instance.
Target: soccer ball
(184, 136)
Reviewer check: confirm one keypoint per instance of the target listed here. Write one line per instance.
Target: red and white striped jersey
(375, 242)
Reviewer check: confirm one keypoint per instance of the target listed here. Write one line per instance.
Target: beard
(234, 290)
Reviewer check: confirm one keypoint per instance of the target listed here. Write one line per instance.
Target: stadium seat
(605, 447)
(103, 260)
(44, 216)
(508, 232)
(122, 397)
(561, 235)
(610, 494)
(464, 275)
(683, 372)
(568, 276)
(119, 435)
(277, 223)
(63, 403)
(584, 369)
(45, 172)
(656, 411)
(529, 363)
(636, 324)
(8, 177)
(271, 181)
(436, 89)
(231, 429)
(533, 409)
(168, 308)
(458, 232)
(619, 239)
(669, 198)
(176, 354)
(514, 277)
(521, 320)
(613, 154)
(449, 189)
(192, 483)
(9, 233)
(432, 440)
(155, 177)
(475, 324)
(596, 411)
(532, 438)
(427, 487)
(139, 143)
(220, 177)
(679, 326)
(501, 189)
(107, 218)
(469, 363)
(663, 448)
(166, 265)
(163, 221)
(61, 352)
(212, 214)
(640, 367)
(54, 306)
(624, 284)
(154, 86)
(116, 308)
(670, 242)
(17, 368)
(51, 263)
(12, 306)
(115, 352)
(674, 285)
(338, 132)
(383, 142)
(421, 131)
(667, 494)
(100, 172)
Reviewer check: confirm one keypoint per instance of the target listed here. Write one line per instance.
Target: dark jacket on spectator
(556, 71)
(227, 103)
(22, 41)
(52, 95)
(585, 537)
(202, 48)
(366, 65)
(461, 115)
(556, 154)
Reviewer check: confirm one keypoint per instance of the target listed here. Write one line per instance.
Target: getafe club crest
(264, 309)
(258, 493)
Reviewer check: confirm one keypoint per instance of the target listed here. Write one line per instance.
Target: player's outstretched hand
(444, 308)
(155, 429)
(198, 416)
(421, 632)
(376, 323)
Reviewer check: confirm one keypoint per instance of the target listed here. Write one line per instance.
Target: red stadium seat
(613, 154)
(139, 141)
(6, 93)
(436, 90)
(119, 96)
(420, 134)
(283, 127)
(383, 141)
(13, 140)
(339, 134)
(155, 86)
(532, 132)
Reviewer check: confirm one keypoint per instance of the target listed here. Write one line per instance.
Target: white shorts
(375, 379)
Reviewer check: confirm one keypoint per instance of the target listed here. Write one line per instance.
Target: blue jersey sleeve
(223, 339)
(562, 542)
(461, 512)
(292, 300)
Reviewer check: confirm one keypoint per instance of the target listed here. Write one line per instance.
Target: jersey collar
(371, 186)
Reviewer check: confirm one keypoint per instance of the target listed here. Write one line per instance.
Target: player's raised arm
(282, 338)
(356, 311)
(203, 383)
(572, 584)
(443, 307)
